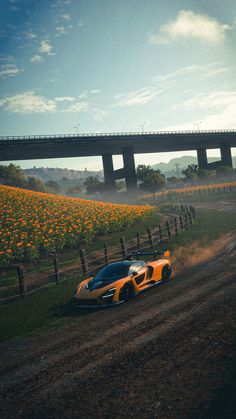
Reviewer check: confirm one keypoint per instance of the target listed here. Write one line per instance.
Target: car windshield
(113, 272)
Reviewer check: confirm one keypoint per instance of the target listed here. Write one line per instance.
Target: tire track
(179, 311)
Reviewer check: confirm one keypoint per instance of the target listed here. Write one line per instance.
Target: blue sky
(108, 66)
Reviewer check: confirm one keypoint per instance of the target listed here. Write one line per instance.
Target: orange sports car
(119, 281)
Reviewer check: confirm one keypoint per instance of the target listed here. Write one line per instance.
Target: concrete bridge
(127, 144)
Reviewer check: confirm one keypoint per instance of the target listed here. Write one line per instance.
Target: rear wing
(138, 253)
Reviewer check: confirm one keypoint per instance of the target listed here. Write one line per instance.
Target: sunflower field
(33, 223)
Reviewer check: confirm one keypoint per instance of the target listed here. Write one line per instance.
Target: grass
(211, 224)
(51, 308)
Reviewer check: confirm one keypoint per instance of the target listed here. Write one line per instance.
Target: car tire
(126, 292)
(166, 273)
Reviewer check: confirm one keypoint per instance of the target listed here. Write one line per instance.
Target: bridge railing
(111, 134)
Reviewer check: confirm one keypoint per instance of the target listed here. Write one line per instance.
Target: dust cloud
(195, 253)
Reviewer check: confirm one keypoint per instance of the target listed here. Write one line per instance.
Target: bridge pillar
(202, 158)
(226, 157)
(108, 170)
(129, 168)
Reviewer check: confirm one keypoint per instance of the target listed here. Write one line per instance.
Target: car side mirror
(167, 254)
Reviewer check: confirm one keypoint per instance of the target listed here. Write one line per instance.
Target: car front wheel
(126, 292)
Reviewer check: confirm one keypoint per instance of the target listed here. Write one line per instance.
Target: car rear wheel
(126, 292)
(166, 273)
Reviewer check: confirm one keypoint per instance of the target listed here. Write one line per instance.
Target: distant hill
(169, 169)
(46, 174)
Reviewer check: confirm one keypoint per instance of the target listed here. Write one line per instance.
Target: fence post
(123, 247)
(181, 222)
(83, 261)
(105, 253)
(160, 232)
(190, 218)
(21, 279)
(186, 221)
(176, 227)
(168, 229)
(138, 241)
(193, 212)
(150, 238)
(56, 273)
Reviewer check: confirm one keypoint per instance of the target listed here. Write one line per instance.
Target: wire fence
(25, 283)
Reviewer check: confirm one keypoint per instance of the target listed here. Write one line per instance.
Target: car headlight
(109, 293)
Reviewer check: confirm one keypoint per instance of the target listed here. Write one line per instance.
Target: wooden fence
(25, 282)
(188, 192)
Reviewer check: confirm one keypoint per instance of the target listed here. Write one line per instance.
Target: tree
(53, 186)
(35, 184)
(173, 179)
(206, 174)
(12, 175)
(65, 179)
(143, 171)
(151, 180)
(225, 171)
(93, 184)
(191, 172)
(74, 190)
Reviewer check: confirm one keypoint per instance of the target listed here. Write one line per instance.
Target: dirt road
(163, 354)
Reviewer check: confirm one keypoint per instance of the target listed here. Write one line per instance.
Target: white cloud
(28, 102)
(138, 97)
(7, 58)
(218, 111)
(190, 25)
(61, 30)
(78, 107)
(100, 114)
(37, 59)
(84, 95)
(66, 17)
(163, 82)
(64, 99)
(95, 91)
(215, 100)
(8, 70)
(45, 47)
(30, 35)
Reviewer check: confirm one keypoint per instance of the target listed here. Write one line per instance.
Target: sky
(69, 66)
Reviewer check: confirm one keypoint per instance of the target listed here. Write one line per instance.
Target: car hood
(95, 291)
(91, 285)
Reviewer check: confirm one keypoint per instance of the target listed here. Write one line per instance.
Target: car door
(138, 270)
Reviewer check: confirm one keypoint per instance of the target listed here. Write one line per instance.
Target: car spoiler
(138, 253)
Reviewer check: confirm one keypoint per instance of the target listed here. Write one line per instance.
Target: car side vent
(139, 278)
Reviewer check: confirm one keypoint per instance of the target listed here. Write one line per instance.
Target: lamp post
(141, 126)
(198, 125)
(76, 127)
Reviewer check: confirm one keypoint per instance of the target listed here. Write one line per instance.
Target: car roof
(126, 262)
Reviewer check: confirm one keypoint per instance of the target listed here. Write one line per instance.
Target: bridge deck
(81, 145)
